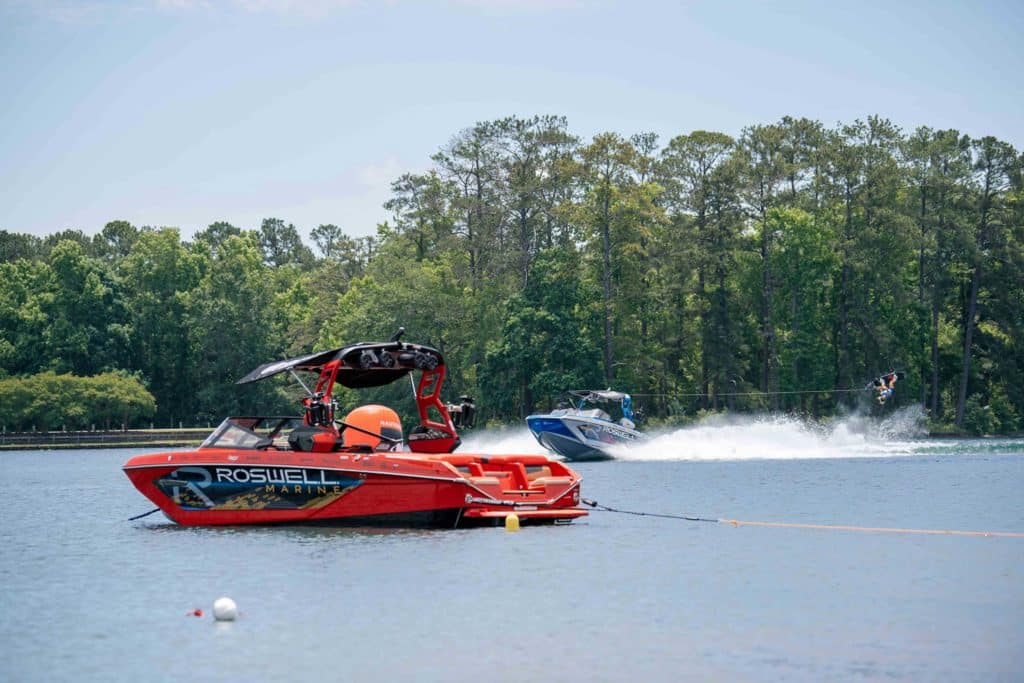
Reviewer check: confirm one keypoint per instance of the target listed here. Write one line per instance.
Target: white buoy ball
(225, 609)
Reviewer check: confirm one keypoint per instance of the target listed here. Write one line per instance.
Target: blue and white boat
(581, 432)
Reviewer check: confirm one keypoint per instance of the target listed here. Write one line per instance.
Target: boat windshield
(249, 432)
(595, 413)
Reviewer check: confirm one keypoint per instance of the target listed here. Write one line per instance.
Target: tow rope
(794, 525)
(597, 506)
(144, 514)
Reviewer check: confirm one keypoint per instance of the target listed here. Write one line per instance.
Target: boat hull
(224, 487)
(578, 438)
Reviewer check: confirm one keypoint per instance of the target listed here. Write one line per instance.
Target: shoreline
(132, 438)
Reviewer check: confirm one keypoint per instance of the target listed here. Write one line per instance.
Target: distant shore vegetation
(777, 271)
(51, 402)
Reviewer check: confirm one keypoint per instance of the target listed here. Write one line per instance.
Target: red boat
(315, 468)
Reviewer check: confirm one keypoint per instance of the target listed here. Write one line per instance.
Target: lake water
(87, 595)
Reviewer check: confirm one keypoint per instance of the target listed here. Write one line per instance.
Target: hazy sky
(186, 112)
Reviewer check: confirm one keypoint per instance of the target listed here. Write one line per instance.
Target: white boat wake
(749, 438)
(510, 440)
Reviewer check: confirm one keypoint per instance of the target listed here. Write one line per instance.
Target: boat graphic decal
(606, 433)
(215, 487)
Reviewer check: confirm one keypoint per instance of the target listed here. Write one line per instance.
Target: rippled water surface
(87, 595)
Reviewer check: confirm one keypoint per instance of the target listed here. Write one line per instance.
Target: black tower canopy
(363, 365)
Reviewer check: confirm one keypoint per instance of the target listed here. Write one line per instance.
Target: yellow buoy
(512, 522)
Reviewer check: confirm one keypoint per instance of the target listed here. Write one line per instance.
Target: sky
(186, 112)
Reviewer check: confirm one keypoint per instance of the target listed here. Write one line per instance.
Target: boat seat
(540, 482)
(307, 438)
(484, 481)
(518, 473)
(542, 471)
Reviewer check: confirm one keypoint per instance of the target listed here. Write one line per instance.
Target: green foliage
(48, 401)
(540, 353)
(1006, 414)
(87, 330)
(116, 240)
(807, 266)
(15, 246)
(779, 270)
(28, 290)
(979, 420)
(282, 245)
(228, 318)
(216, 235)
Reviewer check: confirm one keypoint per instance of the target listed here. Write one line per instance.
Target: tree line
(780, 270)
